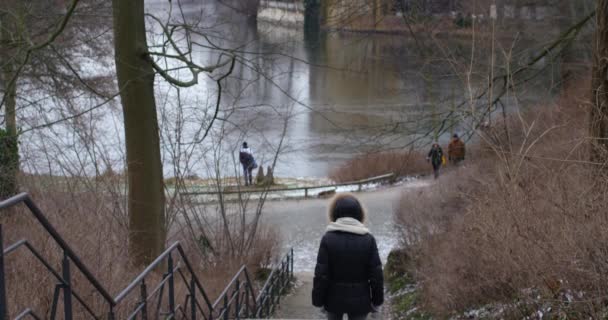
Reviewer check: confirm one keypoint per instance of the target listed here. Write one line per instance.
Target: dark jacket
(456, 150)
(246, 159)
(348, 276)
(435, 156)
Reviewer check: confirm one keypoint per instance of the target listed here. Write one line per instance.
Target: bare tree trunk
(599, 86)
(10, 104)
(136, 82)
(10, 169)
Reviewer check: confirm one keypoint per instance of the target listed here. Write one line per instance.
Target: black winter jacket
(348, 276)
(436, 156)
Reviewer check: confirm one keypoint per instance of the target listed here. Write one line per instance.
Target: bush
(530, 217)
(95, 225)
(463, 22)
(376, 164)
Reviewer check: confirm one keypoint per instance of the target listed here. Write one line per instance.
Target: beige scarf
(350, 225)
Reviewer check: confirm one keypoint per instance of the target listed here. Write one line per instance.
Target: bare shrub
(376, 164)
(530, 215)
(95, 226)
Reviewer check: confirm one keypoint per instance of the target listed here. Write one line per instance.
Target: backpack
(245, 158)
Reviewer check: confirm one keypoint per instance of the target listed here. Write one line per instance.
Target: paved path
(302, 224)
(298, 304)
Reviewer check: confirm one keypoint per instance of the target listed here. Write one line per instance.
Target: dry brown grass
(94, 225)
(530, 214)
(376, 164)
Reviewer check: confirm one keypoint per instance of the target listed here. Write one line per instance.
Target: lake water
(314, 102)
(344, 93)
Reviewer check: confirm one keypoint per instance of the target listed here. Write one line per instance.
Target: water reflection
(341, 93)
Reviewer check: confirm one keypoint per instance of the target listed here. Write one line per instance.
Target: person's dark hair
(245, 145)
(455, 135)
(346, 206)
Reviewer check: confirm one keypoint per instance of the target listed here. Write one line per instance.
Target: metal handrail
(225, 299)
(38, 256)
(230, 284)
(25, 198)
(27, 312)
(267, 297)
(194, 287)
(287, 257)
(119, 297)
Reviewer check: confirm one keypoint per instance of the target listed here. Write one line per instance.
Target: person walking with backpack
(435, 156)
(248, 162)
(348, 275)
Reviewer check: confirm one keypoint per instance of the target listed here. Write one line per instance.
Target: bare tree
(20, 37)
(136, 67)
(145, 179)
(599, 86)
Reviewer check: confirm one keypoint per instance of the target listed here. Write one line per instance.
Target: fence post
(144, 297)
(192, 298)
(171, 285)
(67, 290)
(305, 192)
(268, 300)
(111, 313)
(284, 274)
(226, 307)
(247, 286)
(237, 289)
(3, 306)
(291, 258)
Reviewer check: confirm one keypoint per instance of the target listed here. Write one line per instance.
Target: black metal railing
(275, 287)
(190, 309)
(237, 300)
(64, 276)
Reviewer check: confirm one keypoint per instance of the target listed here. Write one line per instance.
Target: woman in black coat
(348, 275)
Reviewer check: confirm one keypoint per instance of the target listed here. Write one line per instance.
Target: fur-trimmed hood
(331, 209)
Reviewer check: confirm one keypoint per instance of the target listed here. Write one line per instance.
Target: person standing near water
(435, 156)
(348, 275)
(248, 163)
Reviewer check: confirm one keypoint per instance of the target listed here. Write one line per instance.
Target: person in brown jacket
(456, 150)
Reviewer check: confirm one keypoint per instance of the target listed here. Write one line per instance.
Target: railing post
(268, 300)
(192, 298)
(272, 293)
(277, 292)
(291, 258)
(247, 286)
(282, 277)
(3, 305)
(305, 192)
(237, 289)
(226, 311)
(67, 290)
(285, 273)
(144, 297)
(171, 285)
(111, 313)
